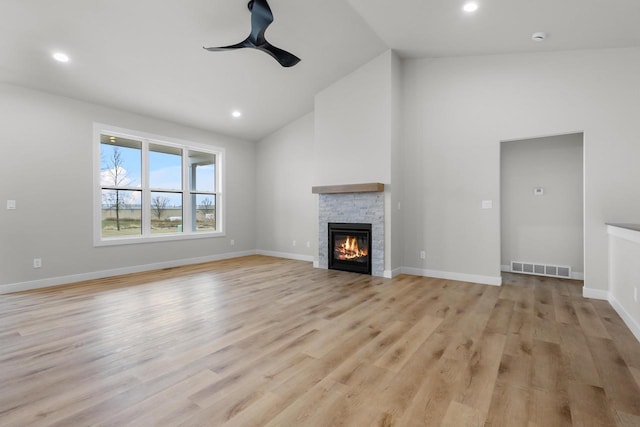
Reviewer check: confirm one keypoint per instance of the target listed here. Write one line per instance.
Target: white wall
(286, 210)
(47, 142)
(353, 136)
(545, 229)
(396, 236)
(457, 110)
(353, 127)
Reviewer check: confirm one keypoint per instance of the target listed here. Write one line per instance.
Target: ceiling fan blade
(242, 44)
(261, 18)
(286, 59)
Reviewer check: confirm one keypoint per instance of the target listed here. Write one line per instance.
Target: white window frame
(146, 236)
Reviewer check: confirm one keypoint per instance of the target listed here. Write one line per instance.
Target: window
(152, 188)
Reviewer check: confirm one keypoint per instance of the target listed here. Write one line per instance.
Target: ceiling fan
(261, 18)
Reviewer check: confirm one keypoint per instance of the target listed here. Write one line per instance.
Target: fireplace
(350, 247)
(347, 205)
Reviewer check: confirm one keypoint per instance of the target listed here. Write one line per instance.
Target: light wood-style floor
(261, 341)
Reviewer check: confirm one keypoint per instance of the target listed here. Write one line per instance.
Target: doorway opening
(542, 206)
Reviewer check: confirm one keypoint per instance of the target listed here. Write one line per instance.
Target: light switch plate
(11, 205)
(487, 204)
(538, 191)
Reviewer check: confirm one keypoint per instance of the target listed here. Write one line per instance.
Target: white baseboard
(65, 280)
(297, 257)
(390, 274)
(316, 264)
(463, 277)
(631, 323)
(595, 293)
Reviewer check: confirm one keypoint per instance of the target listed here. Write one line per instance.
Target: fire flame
(349, 249)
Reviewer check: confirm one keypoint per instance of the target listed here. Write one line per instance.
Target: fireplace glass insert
(350, 247)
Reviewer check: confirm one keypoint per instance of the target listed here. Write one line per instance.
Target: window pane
(120, 162)
(202, 173)
(121, 213)
(204, 206)
(165, 167)
(166, 212)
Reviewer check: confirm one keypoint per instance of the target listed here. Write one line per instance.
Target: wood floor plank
(500, 317)
(481, 373)
(397, 395)
(628, 347)
(618, 381)
(565, 312)
(545, 330)
(171, 400)
(355, 401)
(257, 341)
(403, 349)
(577, 355)
(515, 371)
(627, 420)
(589, 405)
(636, 374)
(589, 320)
(508, 406)
(460, 415)
(309, 411)
(434, 396)
(548, 368)
(546, 409)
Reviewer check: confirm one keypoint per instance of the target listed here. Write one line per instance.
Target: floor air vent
(541, 269)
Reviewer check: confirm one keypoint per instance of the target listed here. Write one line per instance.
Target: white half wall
(624, 274)
(47, 168)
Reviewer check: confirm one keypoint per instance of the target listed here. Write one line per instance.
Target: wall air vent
(541, 269)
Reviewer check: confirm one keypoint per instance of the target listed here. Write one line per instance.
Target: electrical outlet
(37, 262)
(232, 242)
(423, 255)
(308, 244)
(11, 205)
(294, 243)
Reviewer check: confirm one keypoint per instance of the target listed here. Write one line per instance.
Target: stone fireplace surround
(359, 203)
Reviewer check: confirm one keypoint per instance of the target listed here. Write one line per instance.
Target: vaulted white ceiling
(146, 56)
(436, 28)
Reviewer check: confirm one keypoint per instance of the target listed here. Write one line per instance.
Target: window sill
(125, 240)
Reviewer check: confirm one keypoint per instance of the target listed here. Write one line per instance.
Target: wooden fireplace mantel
(370, 187)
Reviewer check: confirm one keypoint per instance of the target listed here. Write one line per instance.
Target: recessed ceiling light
(470, 7)
(236, 114)
(61, 57)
